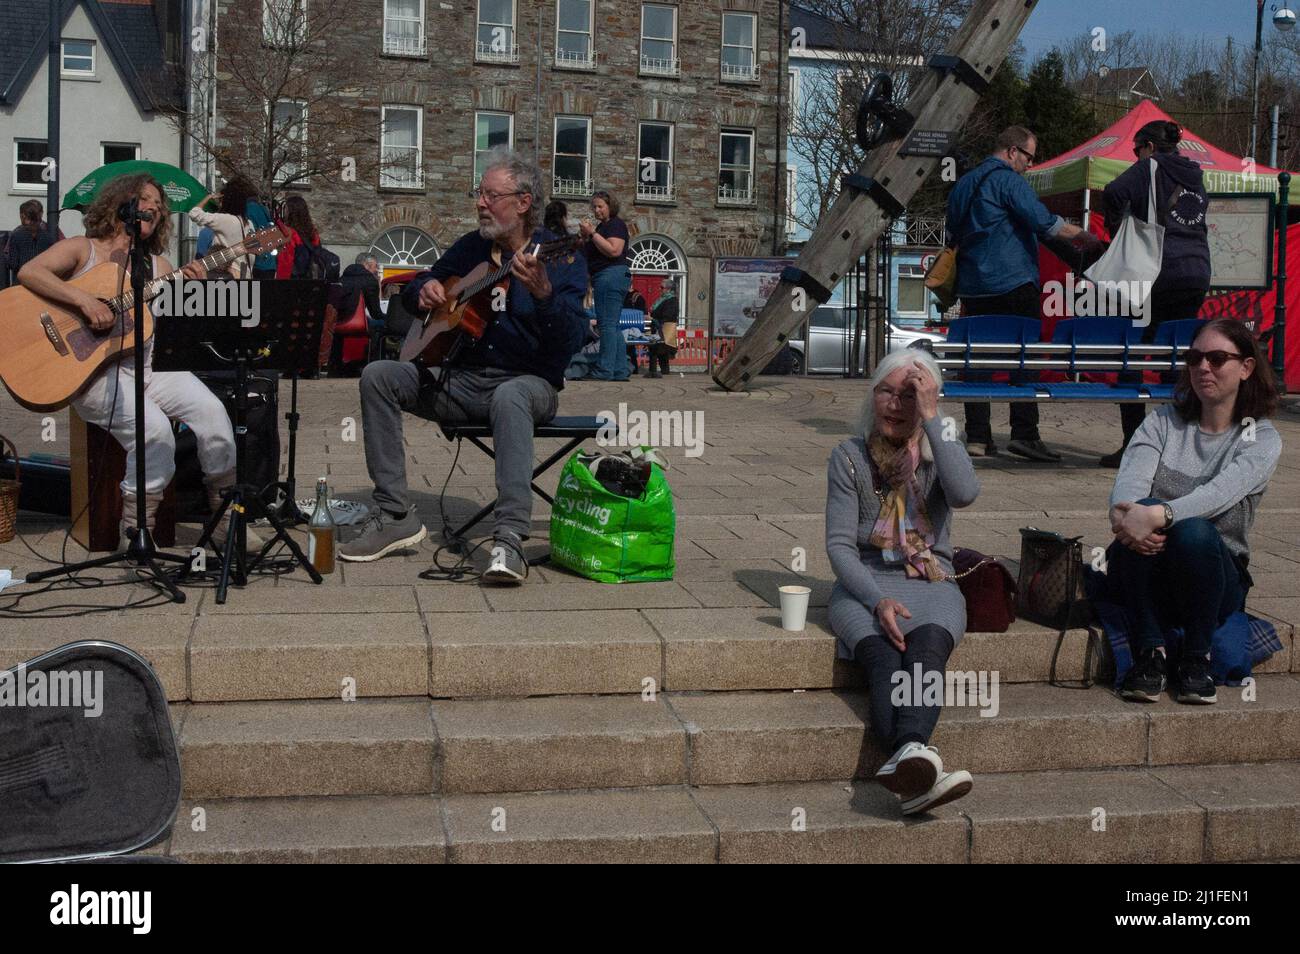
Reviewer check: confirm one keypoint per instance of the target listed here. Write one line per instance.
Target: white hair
(528, 179)
(866, 420)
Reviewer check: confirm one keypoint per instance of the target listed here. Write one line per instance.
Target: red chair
(355, 332)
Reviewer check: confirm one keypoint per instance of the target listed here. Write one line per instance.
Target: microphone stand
(141, 550)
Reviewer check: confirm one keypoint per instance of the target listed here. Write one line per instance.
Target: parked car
(832, 334)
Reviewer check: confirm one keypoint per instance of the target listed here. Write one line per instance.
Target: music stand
(286, 338)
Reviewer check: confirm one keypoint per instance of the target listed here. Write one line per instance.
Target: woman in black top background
(607, 266)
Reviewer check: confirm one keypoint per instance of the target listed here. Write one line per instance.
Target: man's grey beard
(492, 230)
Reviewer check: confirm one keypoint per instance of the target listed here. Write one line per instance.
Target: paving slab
(1235, 729)
(1252, 811)
(270, 601)
(575, 593)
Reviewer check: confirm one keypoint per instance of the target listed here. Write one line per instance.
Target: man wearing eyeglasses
(509, 378)
(995, 221)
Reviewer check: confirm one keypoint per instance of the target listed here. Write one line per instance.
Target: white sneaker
(949, 787)
(911, 770)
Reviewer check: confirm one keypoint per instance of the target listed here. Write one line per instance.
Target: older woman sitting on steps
(895, 606)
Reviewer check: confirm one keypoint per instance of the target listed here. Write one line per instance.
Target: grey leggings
(895, 726)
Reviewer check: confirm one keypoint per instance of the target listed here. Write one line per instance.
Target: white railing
(571, 187)
(401, 169)
(653, 66)
(488, 53)
(405, 44)
(740, 74)
(575, 61)
(729, 195)
(653, 192)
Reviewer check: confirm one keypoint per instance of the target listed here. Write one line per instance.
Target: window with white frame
(491, 130)
(29, 163)
(404, 27)
(912, 299)
(574, 29)
(496, 41)
(402, 166)
(654, 179)
(289, 139)
(659, 40)
(739, 58)
(284, 22)
(78, 58)
(572, 156)
(796, 106)
(736, 167)
(118, 152)
(791, 184)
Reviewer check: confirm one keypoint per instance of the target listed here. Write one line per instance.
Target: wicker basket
(9, 496)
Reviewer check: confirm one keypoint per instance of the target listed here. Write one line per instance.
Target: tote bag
(1131, 265)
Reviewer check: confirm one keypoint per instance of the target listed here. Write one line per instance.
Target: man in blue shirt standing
(509, 378)
(995, 220)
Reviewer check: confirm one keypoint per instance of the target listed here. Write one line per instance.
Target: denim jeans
(895, 726)
(1193, 582)
(609, 286)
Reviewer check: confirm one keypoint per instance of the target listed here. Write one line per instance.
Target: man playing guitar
(509, 378)
(110, 396)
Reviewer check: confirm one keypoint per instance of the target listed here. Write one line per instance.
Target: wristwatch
(1169, 516)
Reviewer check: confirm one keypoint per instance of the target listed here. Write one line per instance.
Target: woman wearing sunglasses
(1182, 507)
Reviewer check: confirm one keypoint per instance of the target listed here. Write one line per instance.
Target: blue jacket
(1185, 262)
(530, 336)
(996, 230)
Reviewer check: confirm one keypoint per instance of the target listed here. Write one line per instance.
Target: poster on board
(741, 287)
(1240, 228)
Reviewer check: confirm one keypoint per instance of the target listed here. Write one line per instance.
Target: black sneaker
(1195, 684)
(1146, 680)
(1033, 450)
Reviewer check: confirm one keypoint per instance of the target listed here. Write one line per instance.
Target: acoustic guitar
(50, 353)
(466, 313)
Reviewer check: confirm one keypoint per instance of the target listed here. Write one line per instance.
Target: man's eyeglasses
(1027, 154)
(491, 197)
(1217, 359)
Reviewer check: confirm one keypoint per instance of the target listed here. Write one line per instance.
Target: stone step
(234, 657)
(415, 746)
(1212, 813)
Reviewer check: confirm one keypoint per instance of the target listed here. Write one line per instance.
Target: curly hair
(235, 195)
(298, 217)
(100, 220)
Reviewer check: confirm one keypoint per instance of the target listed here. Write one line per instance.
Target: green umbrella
(183, 191)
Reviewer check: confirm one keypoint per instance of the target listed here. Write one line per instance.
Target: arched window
(405, 248)
(654, 258)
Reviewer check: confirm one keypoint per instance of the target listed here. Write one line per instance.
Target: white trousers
(168, 395)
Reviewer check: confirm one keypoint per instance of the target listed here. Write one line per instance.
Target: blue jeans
(609, 286)
(1193, 582)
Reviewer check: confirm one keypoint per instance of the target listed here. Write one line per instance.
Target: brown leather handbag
(988, 589)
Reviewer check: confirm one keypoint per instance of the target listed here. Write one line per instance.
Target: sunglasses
(1217, 359)
(1026, 153)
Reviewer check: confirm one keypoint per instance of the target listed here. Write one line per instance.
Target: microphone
(145, 216)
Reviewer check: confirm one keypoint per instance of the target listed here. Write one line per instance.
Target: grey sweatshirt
(1217, 476)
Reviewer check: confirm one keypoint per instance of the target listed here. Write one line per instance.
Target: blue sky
(1055, 20)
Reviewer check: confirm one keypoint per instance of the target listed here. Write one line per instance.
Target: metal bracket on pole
(961, 70)
(884, 198)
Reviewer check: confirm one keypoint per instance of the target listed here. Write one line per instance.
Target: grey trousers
(510, 403)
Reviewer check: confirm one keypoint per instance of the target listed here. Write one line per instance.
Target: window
(736, 167)
(911, 290)
(401, 154)
(654, 178)
(29, 163)
(796, 107)
(284, 22)
(739, 62)
(829, 316)
(496, 32)
(574, 22)
(78, 58)
(289, 139)
(572, 156)
(659, 40)
(118, 152)
(491, 130)
(791, 183)
(404, 27)
(405, 247)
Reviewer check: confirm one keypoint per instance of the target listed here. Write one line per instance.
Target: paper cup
(794, 607)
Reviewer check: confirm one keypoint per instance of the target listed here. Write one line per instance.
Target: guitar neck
(545, 253)
(218, 259)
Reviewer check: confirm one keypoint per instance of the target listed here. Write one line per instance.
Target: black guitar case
(79, 786)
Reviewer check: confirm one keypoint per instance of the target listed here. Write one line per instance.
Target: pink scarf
(902, 532)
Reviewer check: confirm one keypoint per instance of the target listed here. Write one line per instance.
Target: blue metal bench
(979, 345)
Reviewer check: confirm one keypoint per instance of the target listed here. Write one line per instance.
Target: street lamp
(1284, 20)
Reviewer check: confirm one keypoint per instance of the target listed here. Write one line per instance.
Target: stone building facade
(642, 99)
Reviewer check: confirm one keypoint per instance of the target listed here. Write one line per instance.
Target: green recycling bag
(610, 538)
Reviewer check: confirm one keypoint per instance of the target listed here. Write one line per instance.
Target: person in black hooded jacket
(1184, 277)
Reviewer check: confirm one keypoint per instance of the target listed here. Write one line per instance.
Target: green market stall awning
(1097, 162)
